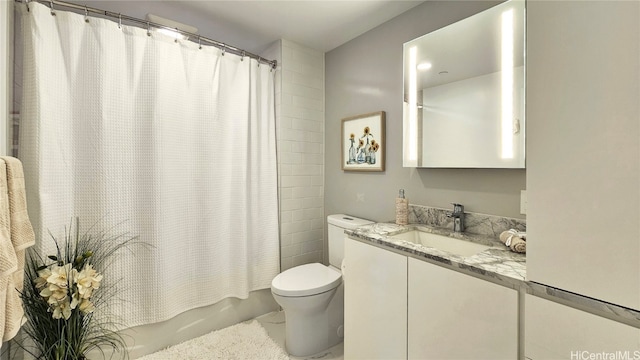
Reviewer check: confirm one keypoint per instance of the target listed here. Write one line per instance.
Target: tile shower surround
(300, 142)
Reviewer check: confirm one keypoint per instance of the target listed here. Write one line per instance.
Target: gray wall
(365, 75)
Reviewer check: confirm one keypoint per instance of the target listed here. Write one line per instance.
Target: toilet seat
(306, 280)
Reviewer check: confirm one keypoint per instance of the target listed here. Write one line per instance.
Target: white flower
(54, 293)
(86, 306)
(41, 280)
(60, 275)
(75, 300)
(88, 280)
(62, 309)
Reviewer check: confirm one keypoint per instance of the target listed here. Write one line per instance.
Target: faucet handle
(457, 208)
(458, 215)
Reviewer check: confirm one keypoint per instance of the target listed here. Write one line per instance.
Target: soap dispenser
(402, 209)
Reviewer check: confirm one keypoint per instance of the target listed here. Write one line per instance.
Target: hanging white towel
(8, 259)
(22, 237)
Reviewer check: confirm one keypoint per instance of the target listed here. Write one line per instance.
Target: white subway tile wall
(300, 131)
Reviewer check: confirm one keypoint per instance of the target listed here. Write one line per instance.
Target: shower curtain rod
(190, 36)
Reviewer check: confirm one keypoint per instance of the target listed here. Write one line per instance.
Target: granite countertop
(497, 263)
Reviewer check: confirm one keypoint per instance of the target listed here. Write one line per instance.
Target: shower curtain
(174, 142)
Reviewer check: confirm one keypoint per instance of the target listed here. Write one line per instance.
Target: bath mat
(242, 341)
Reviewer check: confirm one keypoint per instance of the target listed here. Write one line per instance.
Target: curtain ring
(86, 14)
(53, 12)
(148, 29)
(199, 42)
(224, 49)
(119, 20)
(259, 61)
(26, 3)
(243, 54)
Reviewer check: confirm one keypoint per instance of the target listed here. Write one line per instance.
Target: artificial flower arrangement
(66, 286)
(63, 293)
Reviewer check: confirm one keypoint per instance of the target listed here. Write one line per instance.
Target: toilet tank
(337, 224)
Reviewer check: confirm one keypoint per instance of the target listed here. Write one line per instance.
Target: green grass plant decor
(66, 299)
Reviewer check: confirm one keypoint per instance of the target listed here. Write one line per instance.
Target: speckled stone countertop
(497, 263)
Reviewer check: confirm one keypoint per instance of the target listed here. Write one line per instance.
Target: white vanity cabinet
(583, 158)
(404, 308)
(457, 316)
(375, 302)
(555, 331)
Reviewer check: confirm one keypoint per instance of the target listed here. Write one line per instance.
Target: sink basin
(455, 246)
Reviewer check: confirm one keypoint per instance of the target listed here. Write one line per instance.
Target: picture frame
(363, 142)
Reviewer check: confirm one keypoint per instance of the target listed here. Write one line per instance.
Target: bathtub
(146, 339)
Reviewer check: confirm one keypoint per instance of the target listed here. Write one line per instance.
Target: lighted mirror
(464, 93)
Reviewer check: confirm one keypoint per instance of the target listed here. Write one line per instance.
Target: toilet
(312, 295)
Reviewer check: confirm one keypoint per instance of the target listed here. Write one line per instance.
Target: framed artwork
(363, 142)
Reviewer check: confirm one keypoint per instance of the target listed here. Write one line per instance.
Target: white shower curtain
(176, 141)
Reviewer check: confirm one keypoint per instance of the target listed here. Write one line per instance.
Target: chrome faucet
(458, 217)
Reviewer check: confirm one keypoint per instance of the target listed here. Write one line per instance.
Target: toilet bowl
(306, 293)
(312, 295)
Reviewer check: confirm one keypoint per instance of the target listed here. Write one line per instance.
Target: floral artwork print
(366, 150)
(362, 142)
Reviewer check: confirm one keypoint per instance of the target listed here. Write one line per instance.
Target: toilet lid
(306, 280)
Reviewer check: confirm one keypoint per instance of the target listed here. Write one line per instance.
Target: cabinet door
(456, 316)
(375, 302)
(583, 158)
(555, 331)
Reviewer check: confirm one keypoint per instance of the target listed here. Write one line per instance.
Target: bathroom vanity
(403, 300)
(407, 300)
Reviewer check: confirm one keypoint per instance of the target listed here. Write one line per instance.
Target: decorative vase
(352, 154)
(367, 152)
(361, 157)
